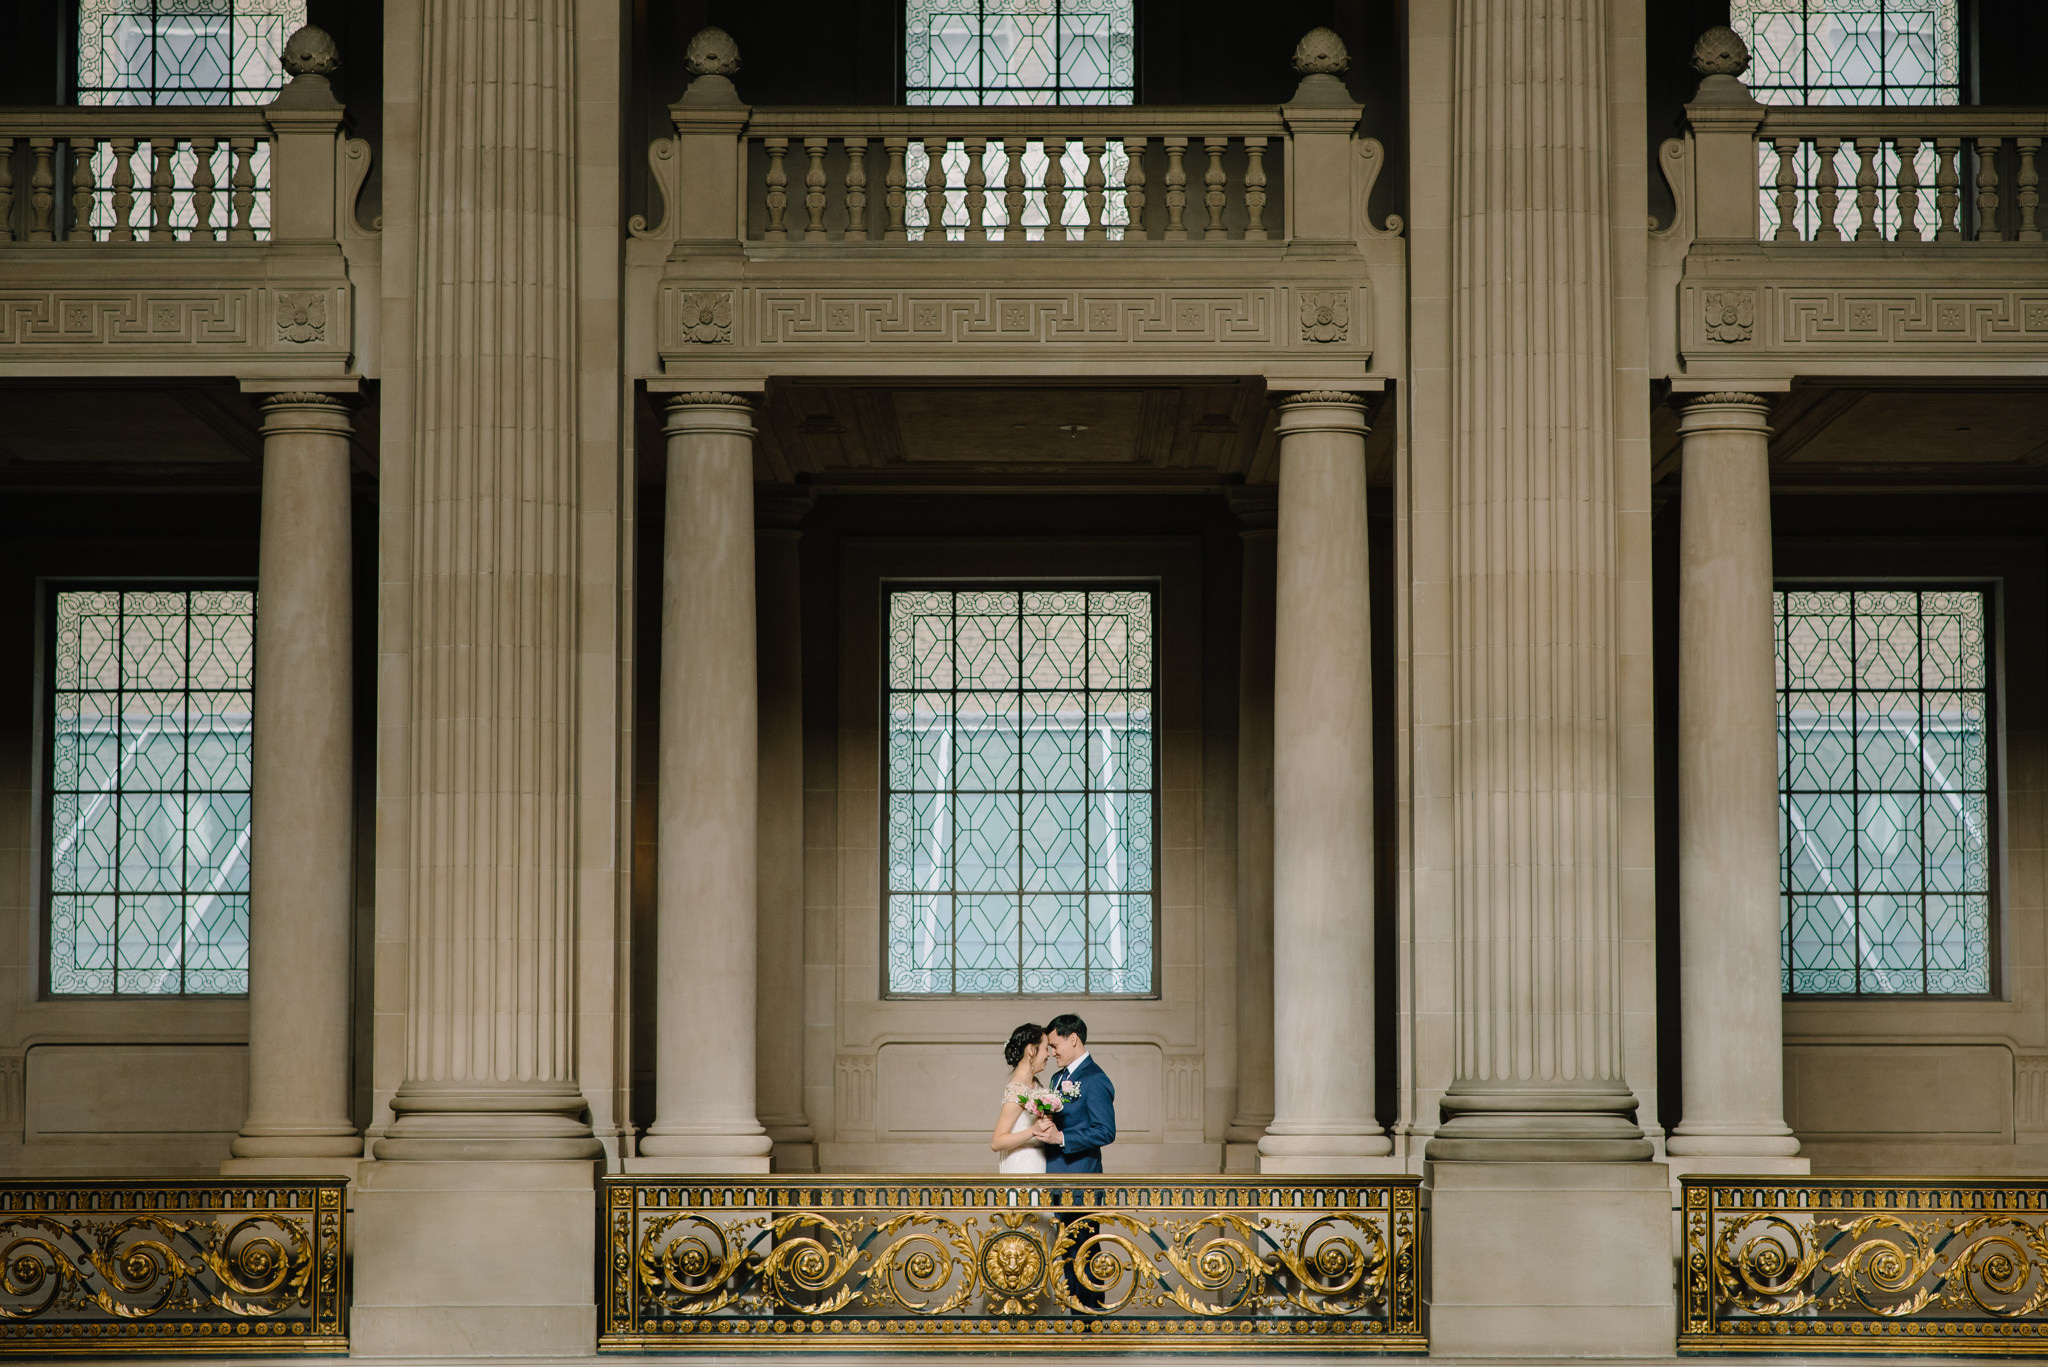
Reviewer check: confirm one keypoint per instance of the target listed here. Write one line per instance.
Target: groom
(1088, 1124)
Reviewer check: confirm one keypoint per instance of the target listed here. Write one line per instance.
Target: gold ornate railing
(211, 1265)
(894, 1262)
(1865, 1265)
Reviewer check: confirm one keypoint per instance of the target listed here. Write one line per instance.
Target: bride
(1026, 1054)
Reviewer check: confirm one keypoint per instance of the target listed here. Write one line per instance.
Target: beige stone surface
(76, 1091)
(1550, 1260)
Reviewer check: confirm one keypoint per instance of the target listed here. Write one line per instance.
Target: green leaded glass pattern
(151, 704)
(1851, 51)
(1021, 799)
(1884, 764)
(1018, 52)
(183, 51)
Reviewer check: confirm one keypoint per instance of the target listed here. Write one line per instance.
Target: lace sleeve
(1009, 1097)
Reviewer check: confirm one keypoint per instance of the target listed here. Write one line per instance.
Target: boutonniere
(1070, 1089)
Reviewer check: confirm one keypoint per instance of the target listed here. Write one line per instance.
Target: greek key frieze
(784, 317)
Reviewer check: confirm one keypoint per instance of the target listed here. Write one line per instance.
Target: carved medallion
(1325, 315)
(301, 317)
(1013, 1265)
(1731, 316)
(707, 317)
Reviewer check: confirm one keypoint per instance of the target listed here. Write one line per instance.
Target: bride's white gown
(1025, 1157)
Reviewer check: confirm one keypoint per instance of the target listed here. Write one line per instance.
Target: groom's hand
(1046, 1133)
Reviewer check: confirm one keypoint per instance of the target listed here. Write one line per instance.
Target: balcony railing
(820, 1264)
(1881, 1264)
(128, 174)
(233, 1266)
(1015, 176)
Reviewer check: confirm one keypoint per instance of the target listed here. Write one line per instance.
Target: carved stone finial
(1321, 53)
(311, 52)
(1720, 52)
(712, 53)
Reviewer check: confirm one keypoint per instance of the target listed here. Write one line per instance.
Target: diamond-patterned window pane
(151, 720)
(1018, 52)
(1021, 804)
(1851, 51)
(1884, 776)
(183, 51)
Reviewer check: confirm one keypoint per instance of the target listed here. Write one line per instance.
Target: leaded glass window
(1884, 763)
(1869, 52)
(150, 719)
(1021, 793)
(183, 51)
(1018, 52)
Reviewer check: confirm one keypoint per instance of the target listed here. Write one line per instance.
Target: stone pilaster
(1730, 1007)
(1323, 1117)
(1534, 655)
(302, 844)
(705, 1117)
(1254, 1110)
(494, 593)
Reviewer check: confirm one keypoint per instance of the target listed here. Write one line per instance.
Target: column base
(504, 1123)
(493, 1259)
(1539, 1124)
(1736, 1165)
(337, 1142)
(675, 1149)
(685, 1165)
(1550, 1259)
(1715, 1142)
(292, 1167)
(1297, 1150)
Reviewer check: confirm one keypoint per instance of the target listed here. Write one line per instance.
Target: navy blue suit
(1088, 1122)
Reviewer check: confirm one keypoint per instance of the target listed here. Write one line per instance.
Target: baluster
(778, 199)
(41, 186)
(160, 181)
(892, 190)
(1213, 178)
(1092, 181)
(1013, 188)
(83, 151)
(6, 189)
(977, 189)
(934, 190)
(1909, 190)
(2028, 182)
(856, 190)
(1825, 199)
(1946, 194)
(1987, 190)
(1787, 181)
(245, 189)
(1176, 189)
(1134, 190)
(1255, 189)
(202, 188)
(1055, 189)
(1866, 188)
(124, 189)
(814, 190)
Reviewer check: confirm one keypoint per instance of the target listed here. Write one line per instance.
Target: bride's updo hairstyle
(1021, 1040)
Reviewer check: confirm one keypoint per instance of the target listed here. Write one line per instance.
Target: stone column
(705, 1118)
(1255, 832)
(1323, 1117)
(494, 594)
(1730, 1003)
(302, 845)
(1534, 657)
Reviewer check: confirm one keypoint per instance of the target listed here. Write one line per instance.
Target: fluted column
(705, 1118)
(1255, 834)
(1323, 1117)
(494, 595)
(1535, 725)
(301, 879)
(1730, 1005)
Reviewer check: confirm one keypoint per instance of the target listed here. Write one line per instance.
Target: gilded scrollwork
(1941, 1263)
(1146, 1261)
(228, 1264)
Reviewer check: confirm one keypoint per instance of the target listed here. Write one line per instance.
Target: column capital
(1726, 410)
(710, 410)
(1324, 410)
(296, 410)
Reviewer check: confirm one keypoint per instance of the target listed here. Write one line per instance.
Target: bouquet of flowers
(1043, 1101)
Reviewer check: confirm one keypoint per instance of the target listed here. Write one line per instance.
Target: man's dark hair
(1068, 1024)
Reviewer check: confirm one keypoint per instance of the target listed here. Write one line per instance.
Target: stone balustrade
(1015, 176)
(128, 174)
(1810, 240)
